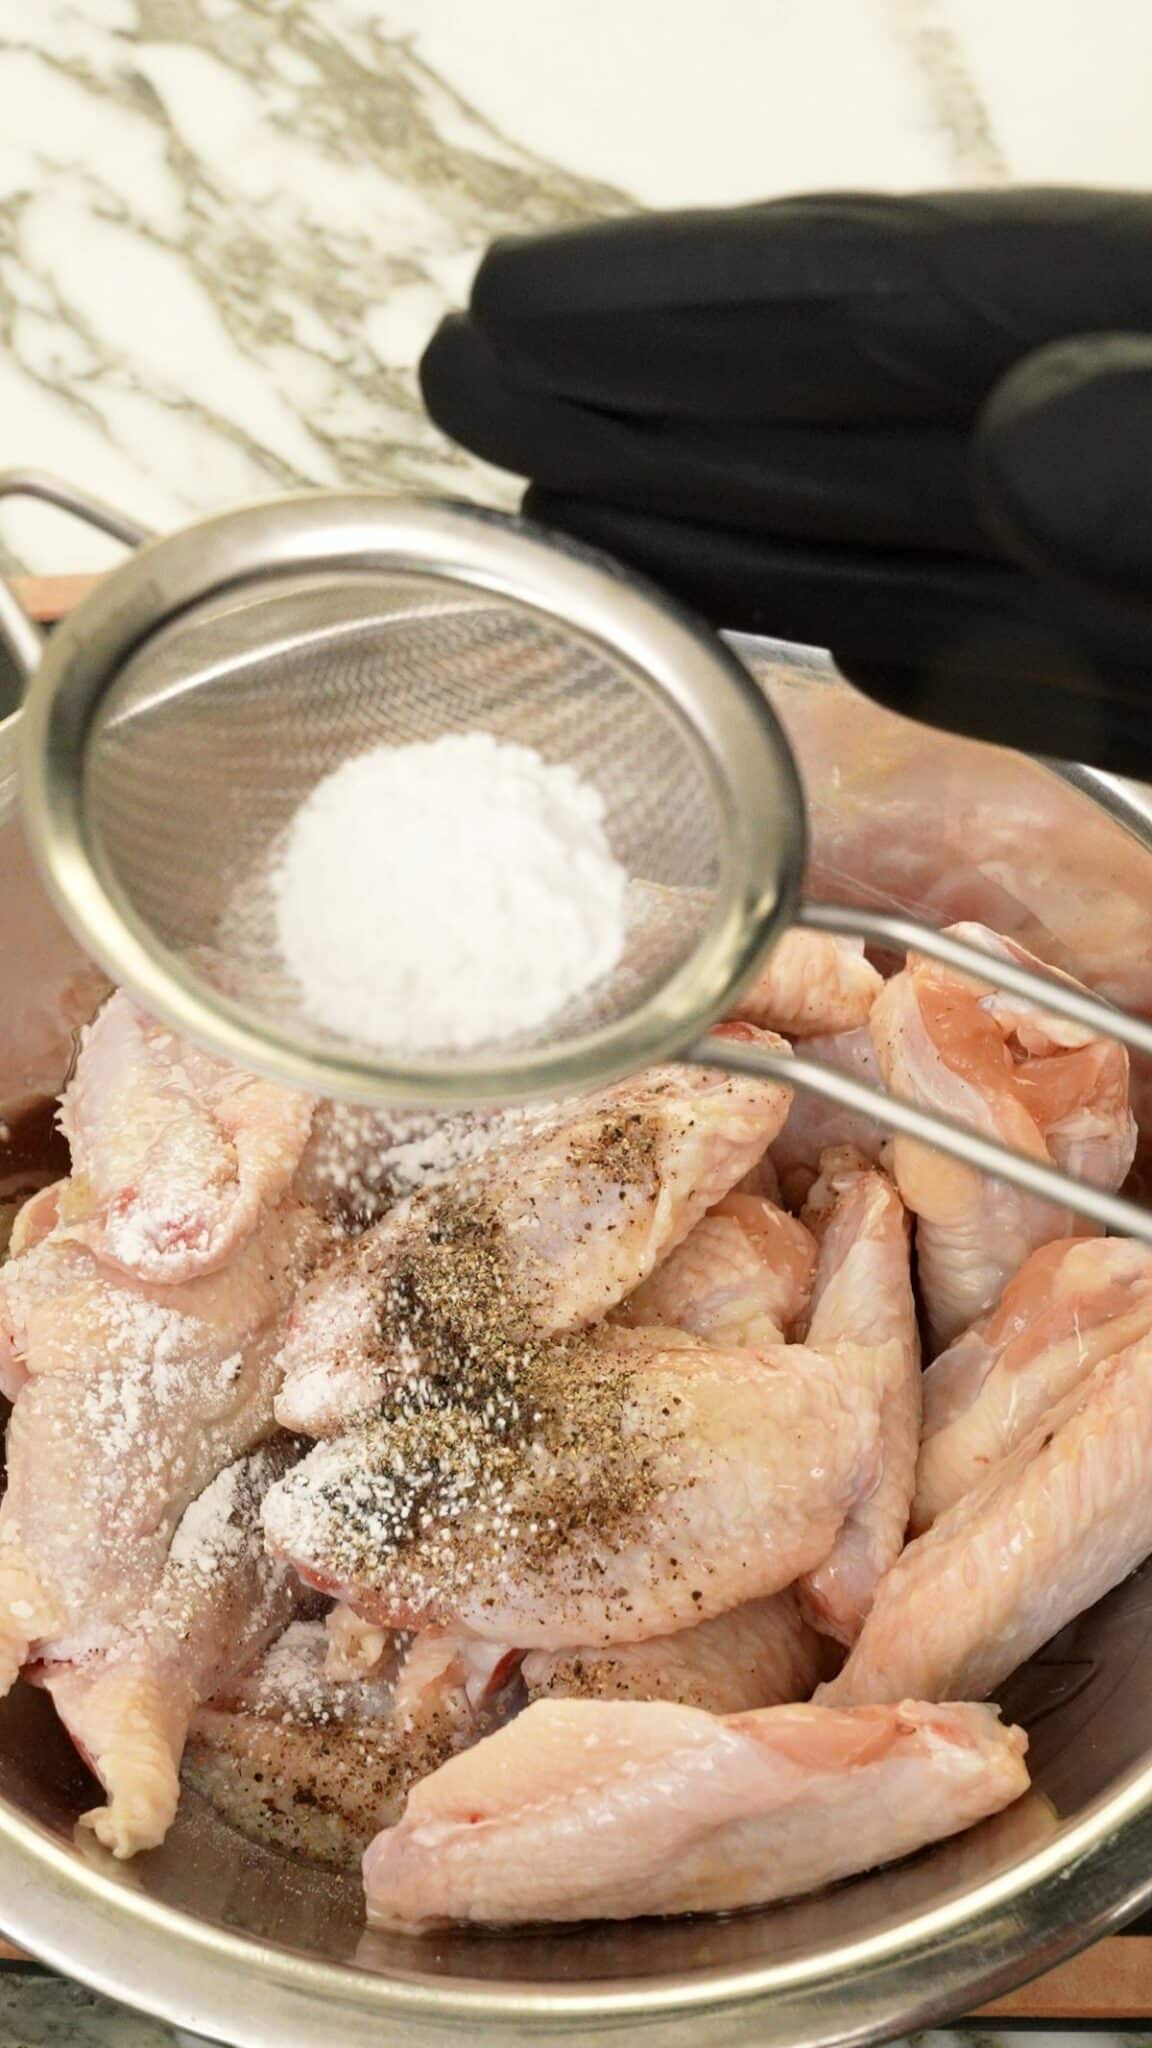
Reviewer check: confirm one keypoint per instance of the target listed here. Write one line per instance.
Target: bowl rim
(250, 1992)
(943, 1961)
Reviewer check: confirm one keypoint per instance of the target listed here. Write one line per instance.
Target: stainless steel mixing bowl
(232, 1942)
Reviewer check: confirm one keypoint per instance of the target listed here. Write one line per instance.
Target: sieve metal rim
(683, 666)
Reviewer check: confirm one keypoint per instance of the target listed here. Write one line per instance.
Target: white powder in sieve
(447, 893)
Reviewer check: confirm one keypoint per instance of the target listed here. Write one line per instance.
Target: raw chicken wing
(1056, 1525)
(290, 1756)
(762, 1654)
(314, 1764)
(356, 1648)
(136, 1397)
(556, 1231)
(591, 1810)
(175, 1154)
(217, 1600)
(1045, 1087)
(1072, 1303)
(814, 1125)
(742, 1276)
(811, 983)
(626, 1487)
(864, 1294)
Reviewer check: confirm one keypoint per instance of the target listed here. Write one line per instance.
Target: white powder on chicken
(447, 894)
(208, 1532)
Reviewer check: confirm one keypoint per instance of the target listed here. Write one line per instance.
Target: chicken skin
(811, 983)
(560, 1227)
(219, 1597)
(1072, 1303)
(743, 1276)
(863, 1295)
(631, 1483)
(136, 1397)
(1055, 1526)
(314, 1764)
(814, 1125)
(176, 1155)
(593, 1810)
(763, 1654)
(1046, 1087)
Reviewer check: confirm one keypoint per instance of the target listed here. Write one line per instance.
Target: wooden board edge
(47, 598)
(1112, 1982)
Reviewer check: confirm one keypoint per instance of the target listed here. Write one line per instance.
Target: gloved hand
(917, 431)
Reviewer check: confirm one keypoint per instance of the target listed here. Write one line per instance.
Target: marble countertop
(46, 2012)
(38, 2011)
(228, 226)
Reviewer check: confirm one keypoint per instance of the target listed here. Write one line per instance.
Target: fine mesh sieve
(178, 719)
(218, 728)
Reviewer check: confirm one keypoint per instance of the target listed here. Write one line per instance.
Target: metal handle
(21, 637)
(894, 1113)
(908, 935)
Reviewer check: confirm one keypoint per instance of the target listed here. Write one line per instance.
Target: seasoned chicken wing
(175, 1154)
(1059, 1522)
(556, 1230)
(863, 1294)
(293, 1757)
(591, 1810)
(1072, 1303)
(1046, 1087)
(315, 1764)
(599, 1490)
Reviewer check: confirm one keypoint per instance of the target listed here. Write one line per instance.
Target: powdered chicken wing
(175, 1154)
(136, 1398)
(128, 1706)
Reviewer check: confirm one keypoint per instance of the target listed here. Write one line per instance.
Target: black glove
(779, 413)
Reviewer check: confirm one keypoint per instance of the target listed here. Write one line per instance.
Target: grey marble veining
(225, 231)
(44, 2012)
(38, 2011)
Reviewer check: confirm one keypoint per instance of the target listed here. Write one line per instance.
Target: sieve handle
(908, 935)
(20, 635)
(987, 1155)
(893, 1113)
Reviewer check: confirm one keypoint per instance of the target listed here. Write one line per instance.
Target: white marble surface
(228, 226)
